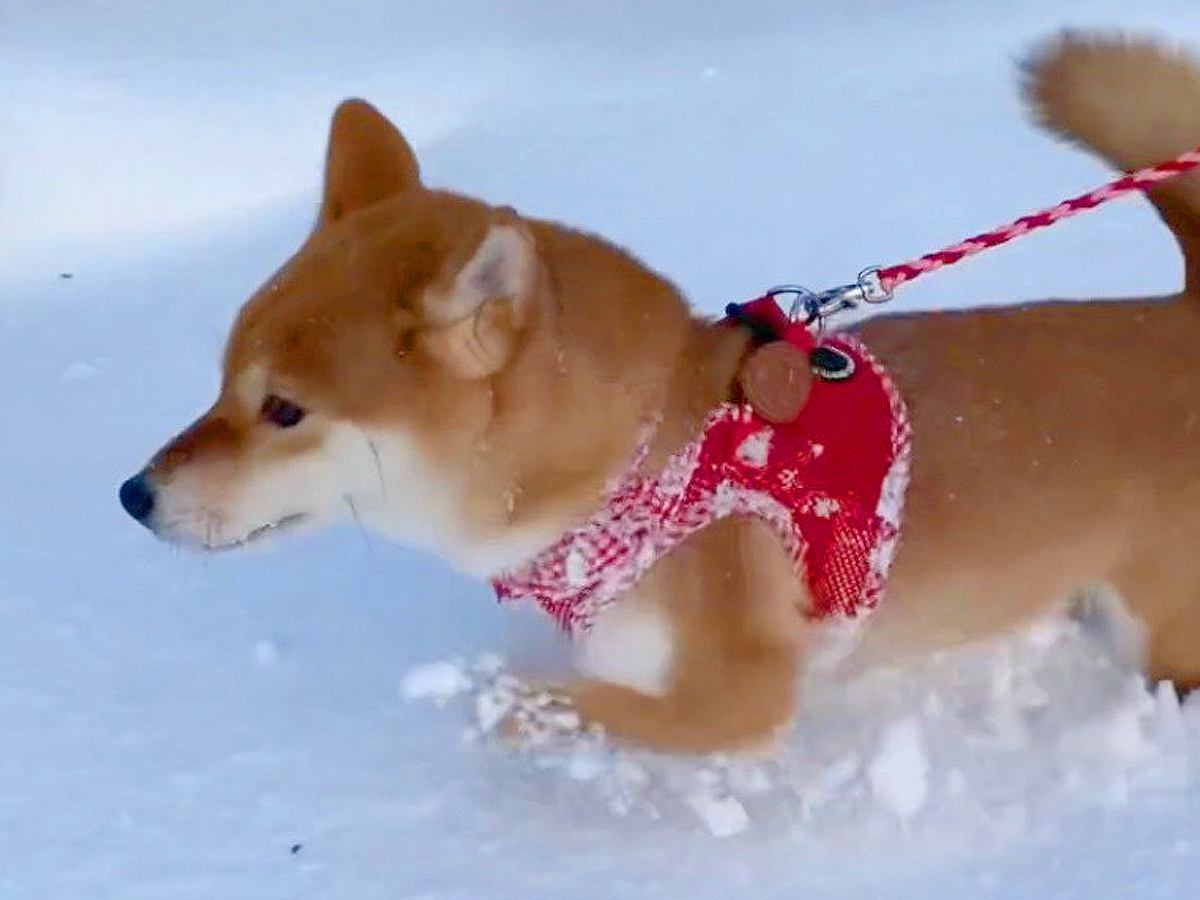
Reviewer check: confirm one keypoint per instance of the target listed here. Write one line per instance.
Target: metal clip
(814, 308)
(804, 302)
(873, 288)
(868, 288)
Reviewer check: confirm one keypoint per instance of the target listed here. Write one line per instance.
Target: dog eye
(281, 412)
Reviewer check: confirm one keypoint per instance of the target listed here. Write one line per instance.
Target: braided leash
(878, 285)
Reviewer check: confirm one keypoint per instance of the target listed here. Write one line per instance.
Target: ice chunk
(722, 816)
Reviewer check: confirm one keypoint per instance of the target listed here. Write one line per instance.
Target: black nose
(137, 496)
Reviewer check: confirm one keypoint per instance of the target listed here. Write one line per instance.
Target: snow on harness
(830, 483)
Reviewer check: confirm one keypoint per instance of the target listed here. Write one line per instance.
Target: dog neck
(617, 361)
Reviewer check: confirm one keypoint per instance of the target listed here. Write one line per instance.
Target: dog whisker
(378, 466)
(358, 521)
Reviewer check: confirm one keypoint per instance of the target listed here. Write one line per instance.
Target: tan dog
(469, 380)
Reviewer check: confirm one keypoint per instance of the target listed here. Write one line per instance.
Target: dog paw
(526, 715)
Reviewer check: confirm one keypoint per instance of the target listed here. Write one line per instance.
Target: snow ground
(232, 727)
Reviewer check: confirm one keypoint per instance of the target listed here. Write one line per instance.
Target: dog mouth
(214, 544)
(279, 526)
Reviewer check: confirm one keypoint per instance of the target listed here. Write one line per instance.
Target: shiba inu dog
(472, 381)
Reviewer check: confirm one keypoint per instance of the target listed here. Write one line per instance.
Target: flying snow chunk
(899, 773)
(491, 706)
(436, 681)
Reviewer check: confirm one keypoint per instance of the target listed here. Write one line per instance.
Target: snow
(576, 568)
(975, 748)
(438, 681)
(899, 773)
(723, 816)
(755, 449)
(177, 726)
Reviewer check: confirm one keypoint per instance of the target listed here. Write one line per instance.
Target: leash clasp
(813, 308)
(869, 288)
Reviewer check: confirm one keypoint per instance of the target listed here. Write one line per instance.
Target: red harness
(831, 484)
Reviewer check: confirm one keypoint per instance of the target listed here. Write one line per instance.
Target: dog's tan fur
(473, 380)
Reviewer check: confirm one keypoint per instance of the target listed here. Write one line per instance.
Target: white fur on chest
(406, 495)
(631, 643)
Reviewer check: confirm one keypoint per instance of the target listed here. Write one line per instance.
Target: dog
(471, 381)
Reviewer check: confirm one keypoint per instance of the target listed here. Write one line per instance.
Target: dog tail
(1133, 102)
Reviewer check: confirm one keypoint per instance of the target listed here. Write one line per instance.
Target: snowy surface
(253, 727)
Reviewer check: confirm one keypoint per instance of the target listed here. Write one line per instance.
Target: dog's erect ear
(476, 321)
(367, 160)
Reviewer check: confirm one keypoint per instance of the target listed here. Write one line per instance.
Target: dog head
(361, 378)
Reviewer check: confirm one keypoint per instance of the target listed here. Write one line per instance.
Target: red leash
(878, 285)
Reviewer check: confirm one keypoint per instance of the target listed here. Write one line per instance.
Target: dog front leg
(704, 655)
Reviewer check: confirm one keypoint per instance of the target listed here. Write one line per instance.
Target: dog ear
(477, 320)
(367, 160)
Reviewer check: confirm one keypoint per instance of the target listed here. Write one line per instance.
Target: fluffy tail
(1133, 102)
